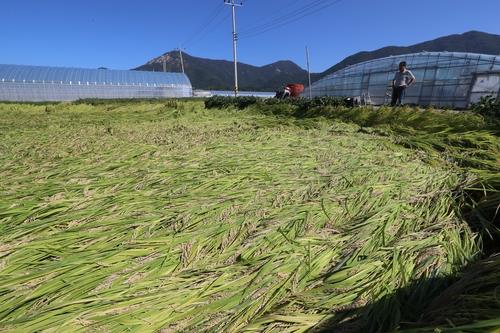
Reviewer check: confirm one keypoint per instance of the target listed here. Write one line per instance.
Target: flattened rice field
(168, 217)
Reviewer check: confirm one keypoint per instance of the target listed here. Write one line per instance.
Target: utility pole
(235, 42)
(164, 66)
(182, 60)
(309, 72)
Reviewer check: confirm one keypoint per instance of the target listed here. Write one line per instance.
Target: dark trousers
(398, 94)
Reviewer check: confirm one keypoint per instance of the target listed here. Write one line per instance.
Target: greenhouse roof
(22, 73)
(483, 58)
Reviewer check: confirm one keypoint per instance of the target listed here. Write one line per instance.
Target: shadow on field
(429, 305)
(471, 298)
(482, 213)
(405, 306)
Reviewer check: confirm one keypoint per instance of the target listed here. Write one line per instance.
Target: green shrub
(244, 102)
(303, 104)
(488, 106)
(218, 102)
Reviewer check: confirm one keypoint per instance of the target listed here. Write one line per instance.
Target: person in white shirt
(402, 80)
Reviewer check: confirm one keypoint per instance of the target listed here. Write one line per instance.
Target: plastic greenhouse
(443, 79)
(35, 83)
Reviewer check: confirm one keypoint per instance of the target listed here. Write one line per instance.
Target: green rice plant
(159, 217)
(472, 304)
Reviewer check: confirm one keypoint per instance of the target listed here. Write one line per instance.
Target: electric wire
(273, 19)
(265, 19)
(290, 18)
(212, 28)
(205, 26)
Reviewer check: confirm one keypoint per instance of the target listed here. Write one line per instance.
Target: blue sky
(123, 34)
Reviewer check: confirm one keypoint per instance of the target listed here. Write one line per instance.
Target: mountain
(472, 41)
(219, 74)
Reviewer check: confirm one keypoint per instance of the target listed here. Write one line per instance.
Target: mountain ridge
(217, 74)
(471, 41)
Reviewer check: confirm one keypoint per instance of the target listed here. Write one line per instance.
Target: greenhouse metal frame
(443, 79)
(37, 83)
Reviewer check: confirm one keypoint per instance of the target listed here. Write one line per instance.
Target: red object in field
(295, 89)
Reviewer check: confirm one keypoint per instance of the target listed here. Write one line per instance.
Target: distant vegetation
(244, 215)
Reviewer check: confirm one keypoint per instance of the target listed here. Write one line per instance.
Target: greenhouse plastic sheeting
(35, 83)
(442, 79)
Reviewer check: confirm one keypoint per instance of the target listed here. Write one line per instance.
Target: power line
(291, 17)
(204, 27)
(209, 29)
(288, 20)
(280, 16)
(265, 19)
(212, 16)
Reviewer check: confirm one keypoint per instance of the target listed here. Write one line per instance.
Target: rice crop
(169, 217)
(472, 304)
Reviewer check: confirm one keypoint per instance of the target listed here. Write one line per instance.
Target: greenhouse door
(484, 85)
